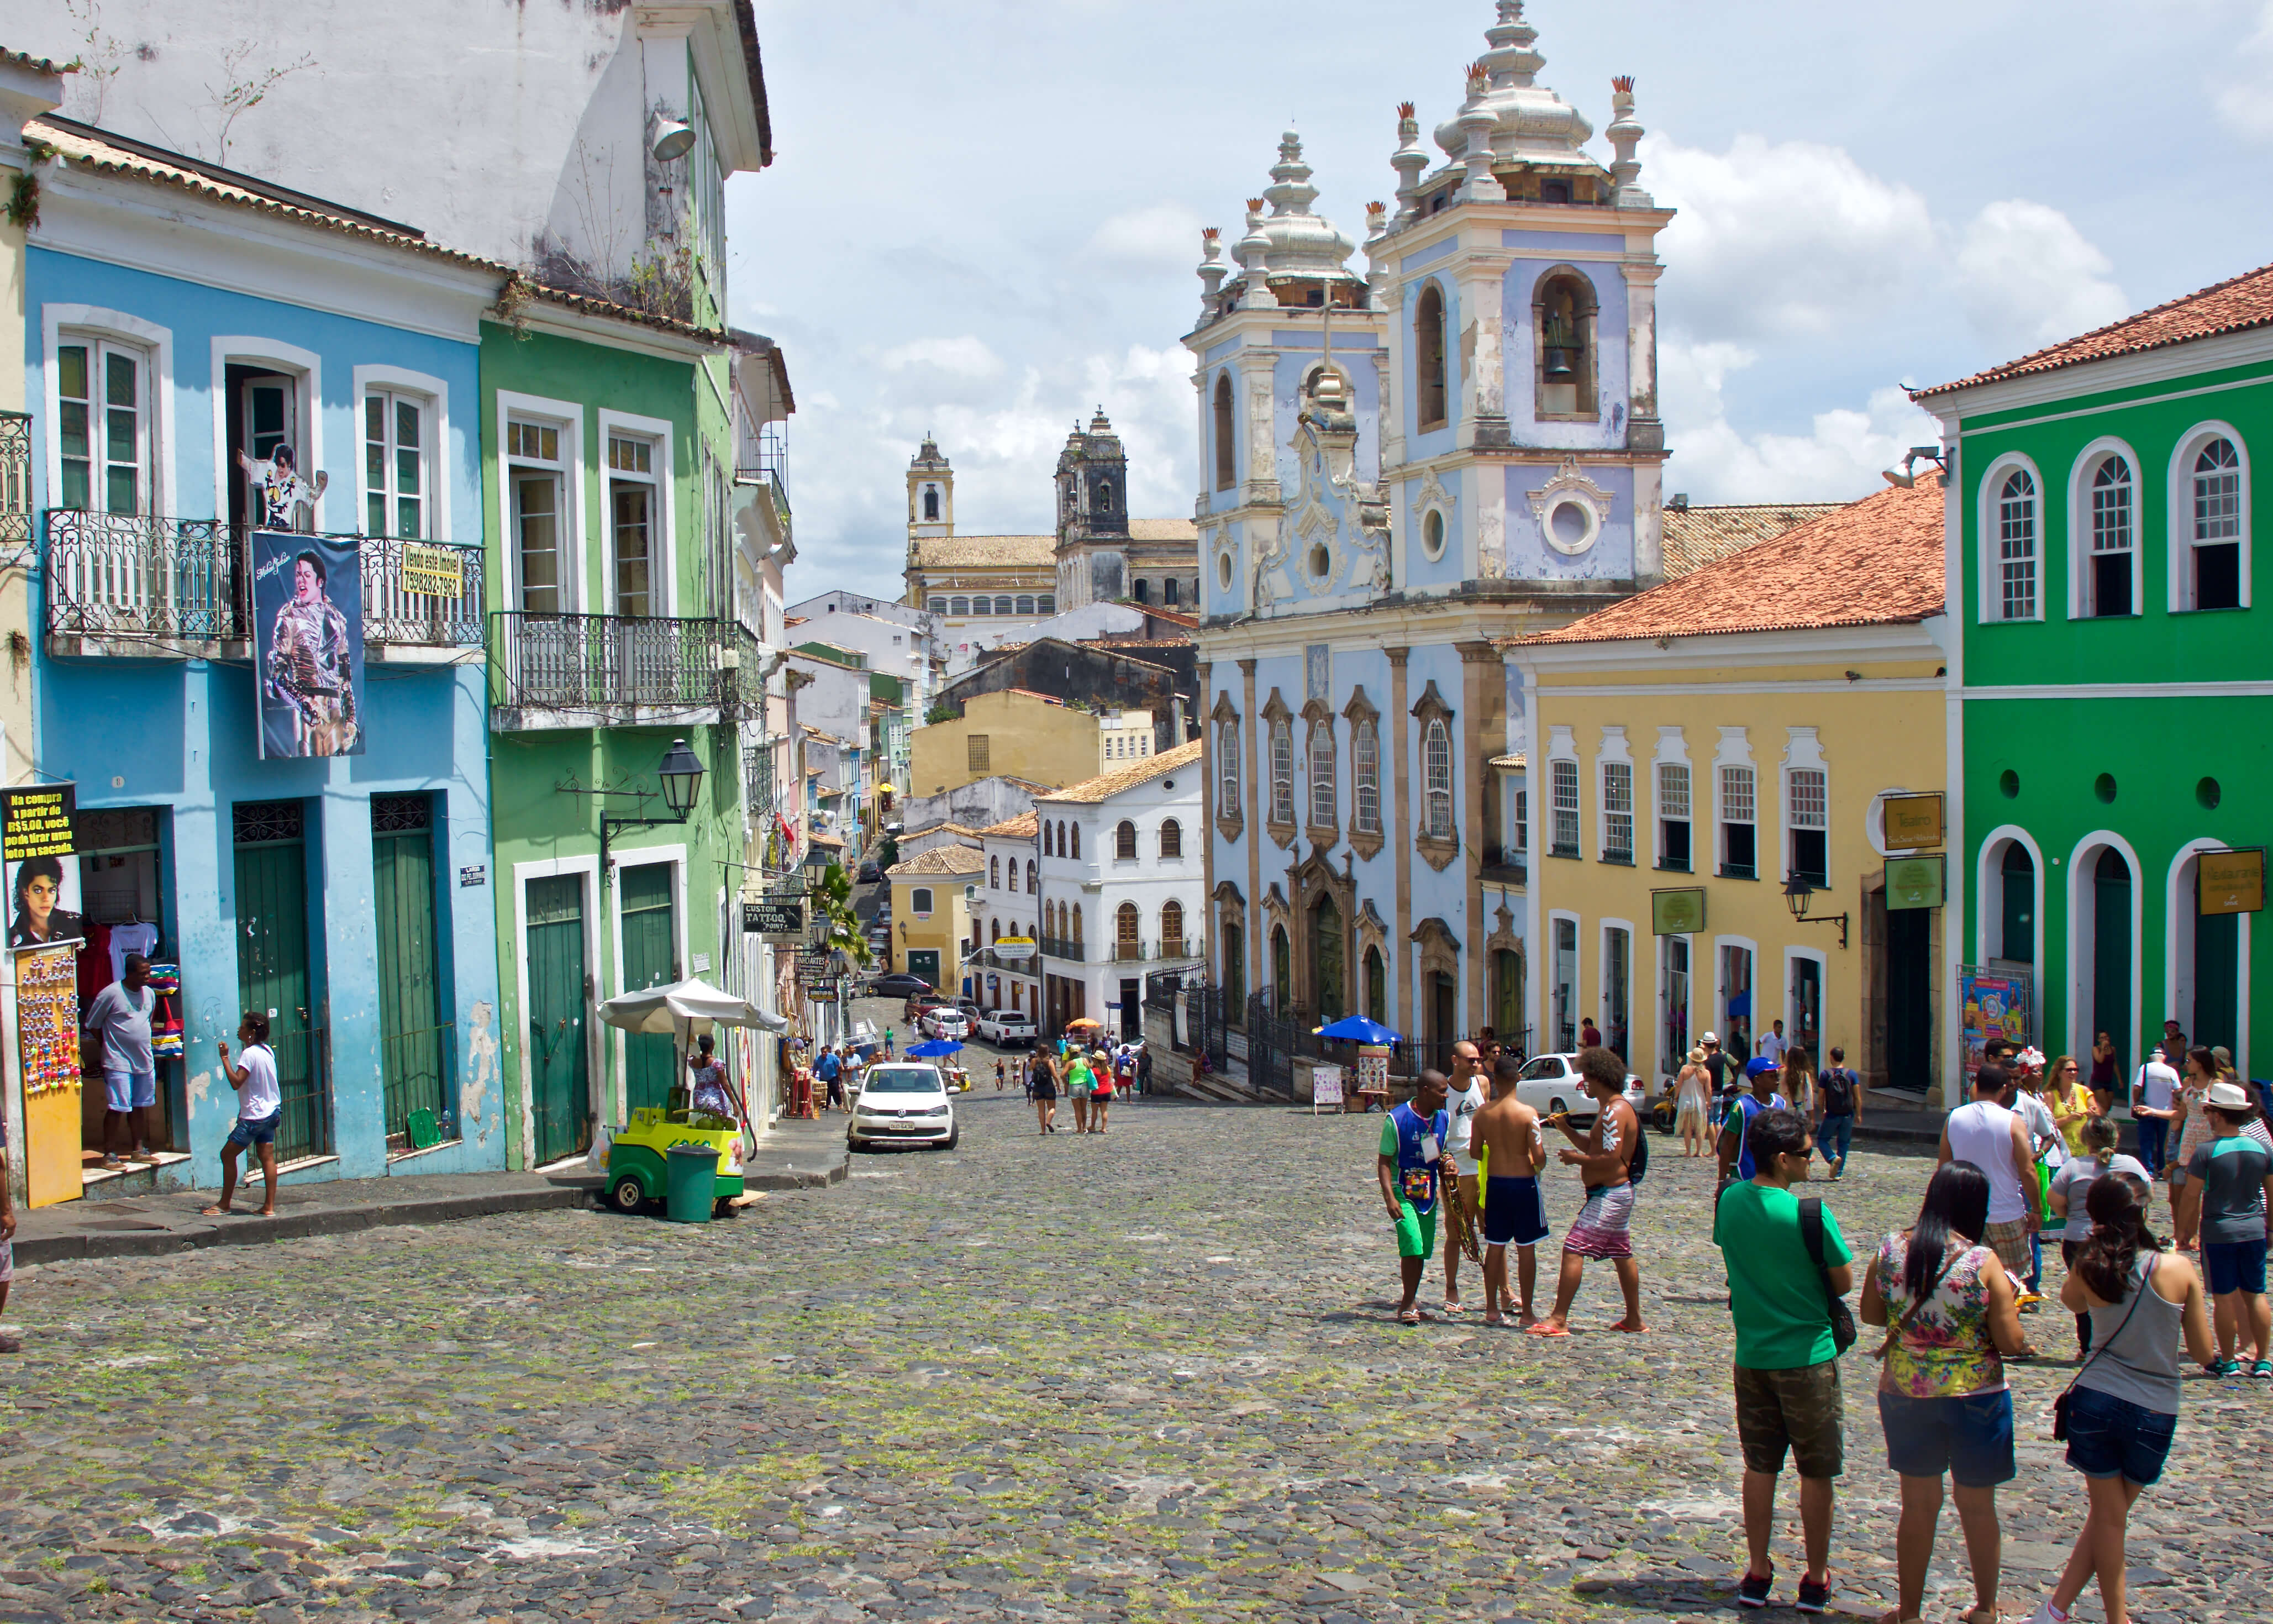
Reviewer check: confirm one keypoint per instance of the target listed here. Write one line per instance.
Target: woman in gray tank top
(2123, 1407)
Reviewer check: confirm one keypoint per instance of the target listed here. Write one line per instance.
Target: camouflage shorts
(1796, 1410)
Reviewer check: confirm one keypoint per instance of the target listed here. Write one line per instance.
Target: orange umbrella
(1083, 1021)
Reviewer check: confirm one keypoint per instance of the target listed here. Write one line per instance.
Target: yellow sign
(439, 571)
(1913, 823)
(2233, 882)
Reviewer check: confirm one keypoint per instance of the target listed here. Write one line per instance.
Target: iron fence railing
(415, 1067)
(580, 661)
(303, 1077)
(1166, 949)
(139, 576)
(15, 477)
(408, 598)
(1066, 947)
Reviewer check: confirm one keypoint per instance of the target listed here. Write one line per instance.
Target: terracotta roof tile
(38, 64)
(1695, 537)
(1022, 827)
(991, 552)
(1164, 530)
(2233, 306)
(1870, 562)
(941, 860)
(1106, 785)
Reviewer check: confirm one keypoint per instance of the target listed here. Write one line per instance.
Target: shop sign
(778, 920)
(2231, 882)
(37, 848)
(1913, 823)
(1013, 949)
(1917, 881)
(1677, 913)
(473, 874)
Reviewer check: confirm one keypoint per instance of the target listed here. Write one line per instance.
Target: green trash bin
(692, 1189)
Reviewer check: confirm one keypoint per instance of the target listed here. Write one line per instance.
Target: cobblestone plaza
(1148, 1376)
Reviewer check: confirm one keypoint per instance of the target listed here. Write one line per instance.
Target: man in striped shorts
(1605, 1159)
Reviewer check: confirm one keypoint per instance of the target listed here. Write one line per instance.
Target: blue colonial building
(182, 324)
(1401, 473)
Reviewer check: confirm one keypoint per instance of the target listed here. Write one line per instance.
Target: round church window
(1223, 571)
(1432, 534)
(1571, 526)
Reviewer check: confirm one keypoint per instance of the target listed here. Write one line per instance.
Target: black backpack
(1637, 1164)
(1838, 1085)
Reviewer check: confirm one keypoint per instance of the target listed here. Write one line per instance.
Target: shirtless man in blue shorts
(1508, 1139)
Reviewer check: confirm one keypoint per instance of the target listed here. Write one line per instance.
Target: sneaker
(2224, 1367)
(2046, 1613)
(1753, 1593)
(2263, 1370)
(1813, 1598)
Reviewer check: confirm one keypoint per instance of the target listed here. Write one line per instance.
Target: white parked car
(1551, 1083)
(903, 1102)
(1007, 1029)
(946, 1022)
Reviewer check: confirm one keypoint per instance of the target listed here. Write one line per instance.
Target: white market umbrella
(684, 1010)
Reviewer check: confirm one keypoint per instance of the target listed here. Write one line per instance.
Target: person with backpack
(1953, 1314)
(1839, 1091)
(1611, 1160)
(1735, 1146)
(1789, 1270)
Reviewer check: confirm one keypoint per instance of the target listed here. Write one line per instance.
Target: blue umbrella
(1358, 1029)
(933, 1049)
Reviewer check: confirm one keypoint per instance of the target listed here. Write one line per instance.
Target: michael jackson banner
(307, 627)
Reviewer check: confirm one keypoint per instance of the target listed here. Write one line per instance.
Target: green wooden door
(1909, 998)
(2111, 954)
(651, 959)
(272, 967)
(558, 1067)
(2218, 980)
(414, 1046)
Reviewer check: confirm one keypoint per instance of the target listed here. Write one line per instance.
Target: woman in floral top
(1954, 1317)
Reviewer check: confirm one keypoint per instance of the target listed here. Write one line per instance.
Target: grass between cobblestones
(1149, 1376)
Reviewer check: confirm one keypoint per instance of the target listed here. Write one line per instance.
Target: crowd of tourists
(1090, 1076)
(2031, 1157)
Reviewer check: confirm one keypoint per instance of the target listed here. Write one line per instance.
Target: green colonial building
(2110, 687)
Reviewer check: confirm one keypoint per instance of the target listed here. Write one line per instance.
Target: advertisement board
(784, 921)
(1990, 1003)
(1917, 881)
(2231, 882)
(38, 852)
(1677, 913)
(307, 631)
(1913, 823)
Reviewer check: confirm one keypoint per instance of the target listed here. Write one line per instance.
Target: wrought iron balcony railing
(1167, 948)
(15, 477)
(142, 578)
(1064, 947)
(607, 664)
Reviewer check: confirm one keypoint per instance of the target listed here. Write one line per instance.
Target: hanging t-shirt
(126, 939)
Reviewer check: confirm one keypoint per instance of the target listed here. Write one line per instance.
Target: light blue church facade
(1401, 473)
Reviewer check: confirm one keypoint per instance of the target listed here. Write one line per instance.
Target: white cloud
(1163, 237)
(2243, 93)
(2029, 278)
(963, 357)
(1838, 460)
(1787, 238)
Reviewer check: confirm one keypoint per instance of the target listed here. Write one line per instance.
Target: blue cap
(1753, 1068)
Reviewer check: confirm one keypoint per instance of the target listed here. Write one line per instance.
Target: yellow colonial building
(1709, 780)
(1025, 735)
(932, 932)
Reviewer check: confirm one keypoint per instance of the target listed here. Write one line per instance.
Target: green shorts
(1416, 1232)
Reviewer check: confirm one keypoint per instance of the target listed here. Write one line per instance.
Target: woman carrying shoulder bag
(1953, 1318)
(2119, 1414)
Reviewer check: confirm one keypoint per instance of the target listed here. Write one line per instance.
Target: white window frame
(2181, 983)
(1365, 777)
(306, 367)
(1565, 801)
(1670, 1064)
(663, 559)
(1736, 750)
(1792, 957)
(1803, 753)
(1430, 792)
(2180, 485)
(1989, 529)
(101, 349)
(96, 324)
(433, 395)
(1281, 732)
(2081, 546)
(1227, 801)
(1324, 786)
(1614, 753)
(1672, 751)
(1604, 928)
(1549, 1035)
(567, 417)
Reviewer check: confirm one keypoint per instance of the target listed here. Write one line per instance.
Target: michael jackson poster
(307, 628)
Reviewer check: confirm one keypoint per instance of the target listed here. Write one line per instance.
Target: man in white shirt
(1772, 1047)
(1464, 1097)
(259, 1111)
(2153, 1093)
(1996, 1140)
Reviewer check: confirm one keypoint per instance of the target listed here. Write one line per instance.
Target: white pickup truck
(1006, 1029)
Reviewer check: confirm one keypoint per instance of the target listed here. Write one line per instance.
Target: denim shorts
(127, 1091)
(2112, 1437)
(263, 1131)
(1970, 1437)
(2235, 1266)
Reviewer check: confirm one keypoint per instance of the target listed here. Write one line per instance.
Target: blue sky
(984, 218)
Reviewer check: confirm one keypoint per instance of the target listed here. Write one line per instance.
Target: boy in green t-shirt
(1787, 1365)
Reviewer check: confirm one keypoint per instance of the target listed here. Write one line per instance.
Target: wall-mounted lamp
(1906, 474)
(1795, 893)
(669, 138)
(680, 773)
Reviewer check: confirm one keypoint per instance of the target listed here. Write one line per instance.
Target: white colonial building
(1400, 472)
(1009, 905)
(1121, 866)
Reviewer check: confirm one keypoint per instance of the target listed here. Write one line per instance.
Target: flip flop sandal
(1454, 1307)
(1543, 1327)
(1492, 1316)
(1409, 1316)
(215, 1212)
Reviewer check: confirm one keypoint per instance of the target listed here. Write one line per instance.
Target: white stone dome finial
(1528, 119)
(1296, 242)
(1626, 133)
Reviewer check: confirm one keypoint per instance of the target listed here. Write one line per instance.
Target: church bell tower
(930, 494)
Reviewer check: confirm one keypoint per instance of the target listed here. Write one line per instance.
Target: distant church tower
(931, 493)
(1092, 545)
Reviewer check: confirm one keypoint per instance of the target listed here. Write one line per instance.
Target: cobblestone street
(1041, 1377)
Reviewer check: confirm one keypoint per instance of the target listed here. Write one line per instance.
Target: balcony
(1164, 951)
(554, 671)
(145, 587)
(1070, 949)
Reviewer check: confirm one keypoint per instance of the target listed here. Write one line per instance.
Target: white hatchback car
(903, 1102)
(948, 1022)
(1551, 1083)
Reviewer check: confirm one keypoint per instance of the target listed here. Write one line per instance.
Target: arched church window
(1137, 589)
(1226, 453)
(979, 606)
(931, 501)
(1429, 356)
(958, 605)
(1563, 315)
(1169, 593)
(1002, 605)
(1047, 603)
(1026, 604)
(1105, 496)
